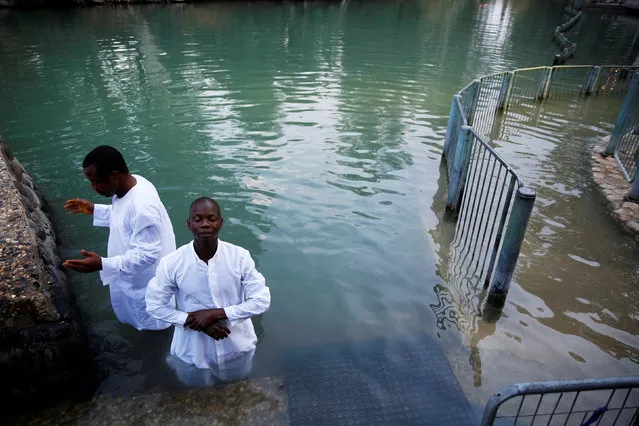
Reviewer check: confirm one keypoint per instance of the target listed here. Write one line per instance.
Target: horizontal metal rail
(594, 403)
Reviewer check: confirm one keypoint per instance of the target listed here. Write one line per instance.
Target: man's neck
(205, 250)
(129, 182)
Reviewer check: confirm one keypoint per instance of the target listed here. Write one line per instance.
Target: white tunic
(229, 281)
(140, 234)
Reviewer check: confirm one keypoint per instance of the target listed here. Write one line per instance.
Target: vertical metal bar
(468, 198)
(500, 229)
(571, 407)
(481, 207)
(554, 410)
(473, 102)
(505, 91)
(478, 223)
(492, 202)
(460, 169)
(515, 232)
(555, 83)
(541, 397)
(623, 404)
(463, 210)
(622, 118)
(469, 213)
(519, 409)
(545, 85)
(477, 112)
(450, 130)
(593, 78)
(607, 403)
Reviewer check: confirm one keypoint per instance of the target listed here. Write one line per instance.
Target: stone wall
(43, 349)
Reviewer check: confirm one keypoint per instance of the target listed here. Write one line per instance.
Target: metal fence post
(593, 76)
(504, 91)
(544, 86)
(457, 179)
(622, 118)
(514, 237)
(452, 119)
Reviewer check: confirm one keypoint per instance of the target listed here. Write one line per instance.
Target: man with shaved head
(140, 233)
(218, 290)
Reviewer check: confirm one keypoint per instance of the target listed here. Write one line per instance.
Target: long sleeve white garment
(140, 234)
(229, 281)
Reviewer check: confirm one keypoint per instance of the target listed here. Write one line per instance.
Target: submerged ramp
(379, 382)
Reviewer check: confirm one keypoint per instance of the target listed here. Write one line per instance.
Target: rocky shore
(43, 349)
(614, 187)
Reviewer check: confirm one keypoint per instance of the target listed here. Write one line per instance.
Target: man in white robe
(140, 234)
(218, 290)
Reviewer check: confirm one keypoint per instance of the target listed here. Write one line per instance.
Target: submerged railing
(624, 141)
(609, 401)
(486, 196)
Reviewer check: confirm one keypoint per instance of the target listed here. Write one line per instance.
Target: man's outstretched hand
(92, 262)
(79, 205)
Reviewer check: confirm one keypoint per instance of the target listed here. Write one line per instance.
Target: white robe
(229, 281)
(140, 234)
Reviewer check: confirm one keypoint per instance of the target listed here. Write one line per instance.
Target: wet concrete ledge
(256, 402)
(615, 187)
(43, 349)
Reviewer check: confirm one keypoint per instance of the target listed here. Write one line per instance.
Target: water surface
(319, 128)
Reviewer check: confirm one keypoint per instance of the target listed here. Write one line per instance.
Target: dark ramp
(383, 382)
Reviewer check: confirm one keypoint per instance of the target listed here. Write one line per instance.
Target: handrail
(499, 158)
(477, 172)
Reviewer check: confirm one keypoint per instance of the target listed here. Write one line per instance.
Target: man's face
(103, 186)
(205, 221)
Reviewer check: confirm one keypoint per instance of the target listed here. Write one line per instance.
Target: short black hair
(106, 159)
(208, 200)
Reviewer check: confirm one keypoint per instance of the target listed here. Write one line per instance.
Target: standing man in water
(218, 290)
(140, 234)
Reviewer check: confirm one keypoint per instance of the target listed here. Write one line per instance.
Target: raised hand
(79, 205)
(92, 262)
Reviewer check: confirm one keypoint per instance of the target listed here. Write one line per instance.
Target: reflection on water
(570, 306)
(319, 128)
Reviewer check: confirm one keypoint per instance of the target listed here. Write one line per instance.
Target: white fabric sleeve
(101, 213)
(144, 250)
(159, 298)
(257, 296)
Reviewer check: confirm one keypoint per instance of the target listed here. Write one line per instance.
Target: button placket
(212, 281)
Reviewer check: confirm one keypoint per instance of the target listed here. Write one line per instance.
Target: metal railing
(609, 401)
(624, 141)
(487, 196)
